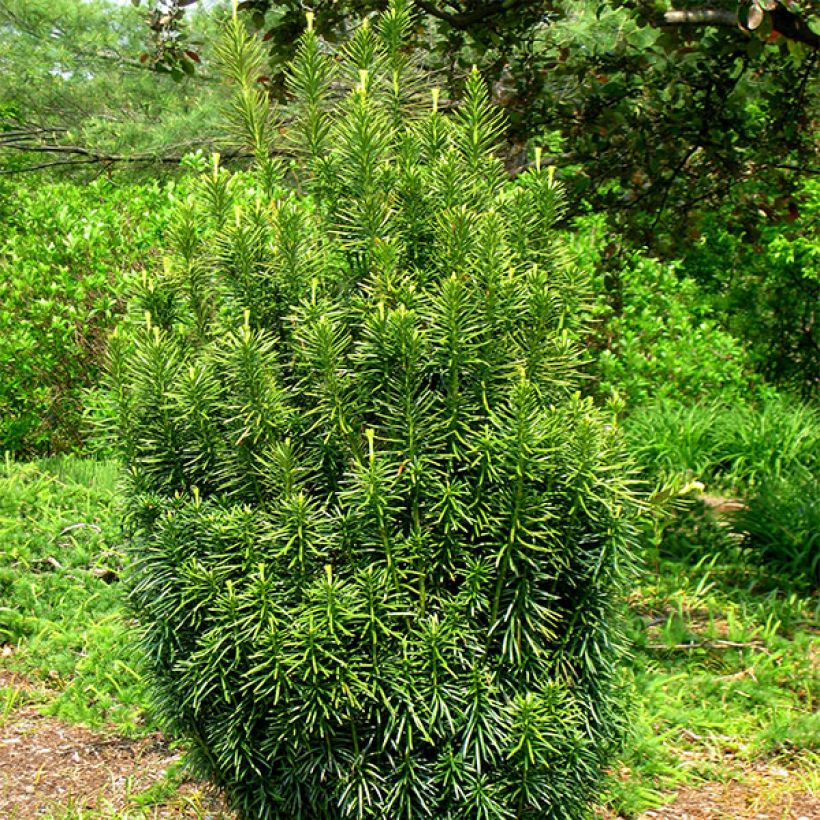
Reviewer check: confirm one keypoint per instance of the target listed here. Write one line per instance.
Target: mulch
(45, 764)
(759, 795)
(48, 767)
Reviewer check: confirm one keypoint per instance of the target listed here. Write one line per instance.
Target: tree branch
(793, 27)
(79, 155)
(41, 165)
(700, 17)
(784, 22)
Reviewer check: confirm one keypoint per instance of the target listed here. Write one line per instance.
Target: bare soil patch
(762, 793)
(48, 767)
(14, 680)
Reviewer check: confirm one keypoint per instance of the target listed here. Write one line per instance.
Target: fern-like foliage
(377, 537)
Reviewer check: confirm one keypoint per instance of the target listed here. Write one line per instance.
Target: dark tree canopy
(653, 113)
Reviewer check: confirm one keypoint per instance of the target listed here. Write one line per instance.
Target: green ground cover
(60, 607)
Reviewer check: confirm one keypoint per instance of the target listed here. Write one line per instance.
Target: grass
(60, 607)
(726, 661)
(738, 445)
(727, 676)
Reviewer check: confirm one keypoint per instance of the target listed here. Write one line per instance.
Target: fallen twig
(710, 644)
(78, 526)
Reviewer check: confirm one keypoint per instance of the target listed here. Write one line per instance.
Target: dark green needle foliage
(378, 538)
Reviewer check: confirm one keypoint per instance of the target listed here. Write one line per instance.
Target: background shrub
(698, 355)
(377, 537)
(661, 339)
(763, 281)
(67, 255)
(757, 463)
(779, 436)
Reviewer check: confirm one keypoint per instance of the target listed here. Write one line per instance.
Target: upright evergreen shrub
(377, 537)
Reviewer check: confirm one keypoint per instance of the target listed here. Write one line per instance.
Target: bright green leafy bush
(736, 310)
(764, 284)
(377, 538)
(67, 255)
(662, 339)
